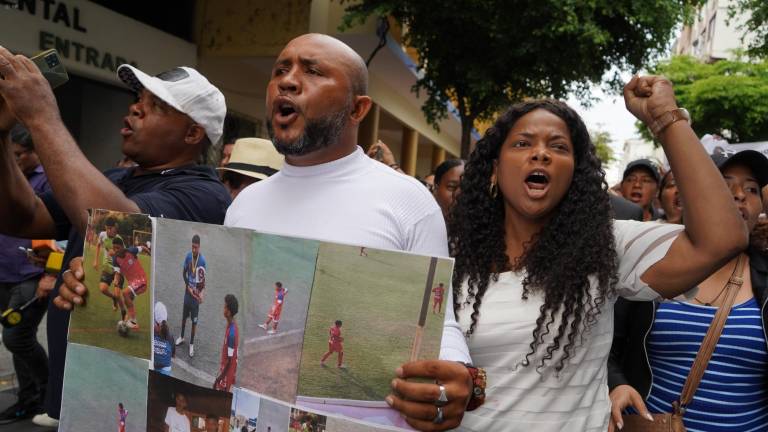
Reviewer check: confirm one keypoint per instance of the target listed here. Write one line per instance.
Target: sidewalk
(8, 397)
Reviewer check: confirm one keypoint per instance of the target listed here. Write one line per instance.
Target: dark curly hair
(577, 243)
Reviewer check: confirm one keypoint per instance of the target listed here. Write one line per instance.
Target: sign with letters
(91, 40)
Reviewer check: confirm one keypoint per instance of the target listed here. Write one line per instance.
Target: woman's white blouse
(520, 398)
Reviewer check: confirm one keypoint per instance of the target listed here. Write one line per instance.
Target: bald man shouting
(328, 188)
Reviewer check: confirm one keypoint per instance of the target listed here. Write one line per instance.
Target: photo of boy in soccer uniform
(103, 259)
(228, 367)
(437, 300)
(162, 344)
(128, 270)
(335, 345)
(277, 308)
(122, 416)
(193, 273)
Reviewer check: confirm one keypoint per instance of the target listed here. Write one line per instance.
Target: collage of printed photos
(197, 327)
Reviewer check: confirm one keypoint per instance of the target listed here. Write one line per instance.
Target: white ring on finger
(439, 419)
(443, 399)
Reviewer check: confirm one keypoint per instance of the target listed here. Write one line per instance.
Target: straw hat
(254, 157)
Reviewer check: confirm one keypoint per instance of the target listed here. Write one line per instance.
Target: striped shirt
(733, 394)
(520, 398)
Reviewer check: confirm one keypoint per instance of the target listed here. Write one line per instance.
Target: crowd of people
(574, 306)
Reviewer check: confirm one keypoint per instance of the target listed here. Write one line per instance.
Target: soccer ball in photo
(122, 329)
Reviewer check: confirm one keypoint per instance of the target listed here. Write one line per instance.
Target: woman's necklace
(711, 302)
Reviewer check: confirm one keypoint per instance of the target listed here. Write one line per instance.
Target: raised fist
(648, 97)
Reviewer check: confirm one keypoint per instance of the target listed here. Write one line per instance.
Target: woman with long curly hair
(540, 264)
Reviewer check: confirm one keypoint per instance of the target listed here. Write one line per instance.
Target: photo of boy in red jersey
(277, 308)
(437, 299)
(97, 320)
(228, 367)
(128, 270)
(335, 345)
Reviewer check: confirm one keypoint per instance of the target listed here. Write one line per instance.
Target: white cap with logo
(161, 313)
(186, 90)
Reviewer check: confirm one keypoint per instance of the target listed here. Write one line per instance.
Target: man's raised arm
(76, 183)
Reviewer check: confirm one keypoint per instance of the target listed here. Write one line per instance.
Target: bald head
(350, 60)
(316, 99)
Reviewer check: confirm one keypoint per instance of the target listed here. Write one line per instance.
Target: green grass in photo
(96, 323)
(378, 298)
(95, 382)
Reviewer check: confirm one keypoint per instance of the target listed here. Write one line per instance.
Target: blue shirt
(231, 336)
(163, 349)
(732, 395)
(14, 265)
(190, 274)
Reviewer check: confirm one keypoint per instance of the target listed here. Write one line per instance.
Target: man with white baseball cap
(184, 89)
(175, 119)
(160, 313)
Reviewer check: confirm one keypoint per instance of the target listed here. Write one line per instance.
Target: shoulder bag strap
(710, 339)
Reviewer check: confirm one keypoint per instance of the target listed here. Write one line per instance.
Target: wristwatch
(663, 121)
(479, 380)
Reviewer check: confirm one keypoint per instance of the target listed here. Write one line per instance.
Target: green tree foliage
(728, 98)
(482, 55)
(602, 141)
(756, 25)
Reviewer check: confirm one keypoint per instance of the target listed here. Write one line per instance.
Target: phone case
(51, 67)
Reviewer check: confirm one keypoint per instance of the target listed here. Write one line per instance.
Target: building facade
(92, 41)
(239, 40)
(639, 148)
(713, 35)
(233, 43)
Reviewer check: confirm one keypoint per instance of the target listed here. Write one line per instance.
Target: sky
(609, 114)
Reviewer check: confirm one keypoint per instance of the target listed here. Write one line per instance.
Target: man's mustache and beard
(318, 133)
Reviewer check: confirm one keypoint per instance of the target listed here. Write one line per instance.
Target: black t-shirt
(191, 193)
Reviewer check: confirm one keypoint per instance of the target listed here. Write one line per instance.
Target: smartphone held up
(51, 67)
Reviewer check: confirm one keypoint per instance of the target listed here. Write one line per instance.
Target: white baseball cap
(161, 313)
(186, 90)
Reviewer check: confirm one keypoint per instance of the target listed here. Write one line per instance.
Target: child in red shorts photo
(276, 309)
(335, 345)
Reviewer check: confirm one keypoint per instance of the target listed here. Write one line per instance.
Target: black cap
(643, 163)
(754, 160)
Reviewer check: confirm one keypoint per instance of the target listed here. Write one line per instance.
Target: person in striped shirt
(655, 343)
(540, 264)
